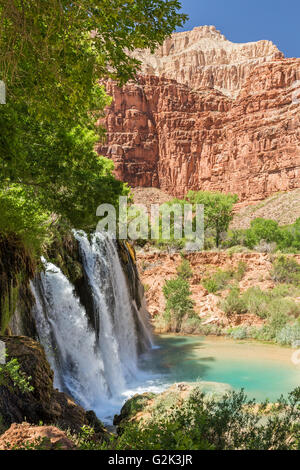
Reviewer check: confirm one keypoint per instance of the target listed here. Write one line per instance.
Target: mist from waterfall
(95, 363)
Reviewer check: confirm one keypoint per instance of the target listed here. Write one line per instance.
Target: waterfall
(94, 363)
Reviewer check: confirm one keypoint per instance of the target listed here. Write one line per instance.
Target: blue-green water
(264, 371)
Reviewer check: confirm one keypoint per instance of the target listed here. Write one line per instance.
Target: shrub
(287, 307)
(275, 323)
(218, 281)
(289, 334)
(286, 270)
(184, 270)
(234, 238)
(256, 301)
(192, 326)
(229, 423)
(178, 301)
(237, 249)
(241, 332)
(262, 229)
(241, 270)
(233, 303)
(12, 376)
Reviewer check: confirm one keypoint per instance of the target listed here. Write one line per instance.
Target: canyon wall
(237, 132)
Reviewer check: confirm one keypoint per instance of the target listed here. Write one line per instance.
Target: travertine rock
(157, 266)
(27, 437)
(176, 137)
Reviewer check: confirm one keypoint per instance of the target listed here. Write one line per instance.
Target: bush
(233, 303)
(217, 281)
(266, 303)
(12, 376)
(234, 238)
(286, 270)
(178, 302)
(241, 332)
(237, 249)
(192, 326)
(241, 270)
(221, 279)
(256, 301)
(286, 307)
(262, 229)
(289, 334)
(230, 423)
(184, 270)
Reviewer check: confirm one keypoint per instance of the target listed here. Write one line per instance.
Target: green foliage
(192, 326)
(234, 238)
(257, 301)
(221, 278)
(52, 56)
(289, 334)
(217, 281)
(184, 270)
(233, 303)
(262, 229)
(240, 271)
(284, 238)
(217, 210)
(286, 270)
(22, 215)
(85, 440)
(178, 301)
(10, 372)
(49, 53)
(231, 423)
(269, 304)
(238, 333)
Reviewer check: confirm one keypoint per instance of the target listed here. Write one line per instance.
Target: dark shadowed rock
(44, 403)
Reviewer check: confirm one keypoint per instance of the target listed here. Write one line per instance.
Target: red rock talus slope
(244, 139)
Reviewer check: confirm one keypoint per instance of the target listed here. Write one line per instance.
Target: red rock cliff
(241, 136)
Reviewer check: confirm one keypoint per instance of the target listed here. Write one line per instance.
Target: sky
(249, 20)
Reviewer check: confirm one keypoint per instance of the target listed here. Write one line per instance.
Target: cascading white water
(94, 365)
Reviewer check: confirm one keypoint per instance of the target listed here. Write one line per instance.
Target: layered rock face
(238, 131)
(203, 57)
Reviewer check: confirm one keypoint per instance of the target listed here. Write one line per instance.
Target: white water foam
(97, 366)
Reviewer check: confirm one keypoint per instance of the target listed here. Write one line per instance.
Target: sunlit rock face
(203, 57)
(208, 114)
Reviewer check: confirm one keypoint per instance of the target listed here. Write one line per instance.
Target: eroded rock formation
(203, 57)
(238, 131)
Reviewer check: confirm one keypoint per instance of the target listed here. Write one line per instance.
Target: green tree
(178, 301)
(218, 210)
(52, 56)
(53, 52)
(262, 229)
